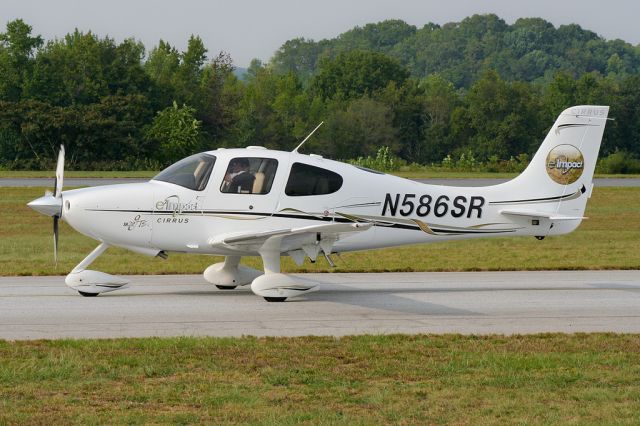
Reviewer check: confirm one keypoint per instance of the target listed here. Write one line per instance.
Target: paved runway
(472, 302)
(75, 182)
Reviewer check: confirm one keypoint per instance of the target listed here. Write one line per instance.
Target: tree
(82, 68)
(112, 131)
(17, 48)
(381, 36)
(190, 70)
(623, 134)
(357, 73)
(406, 103)
(299, 56)
(215, 103)
(360, 130)
(125, 73)
(440, 100)
(502, 117)
(177, 75)
(176, 132)
(255, 67)
(162, 67)
(273, 110)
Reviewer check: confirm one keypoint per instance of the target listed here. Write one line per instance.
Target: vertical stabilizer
(558, 181)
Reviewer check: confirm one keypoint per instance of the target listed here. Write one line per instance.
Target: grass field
(607, 240)
(76, 174)
(539, 379)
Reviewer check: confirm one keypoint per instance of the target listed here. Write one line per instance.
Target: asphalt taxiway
(435, 302)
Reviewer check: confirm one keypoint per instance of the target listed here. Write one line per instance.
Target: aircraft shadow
(387, 299)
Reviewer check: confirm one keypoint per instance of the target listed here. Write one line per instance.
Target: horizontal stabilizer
(541, 214)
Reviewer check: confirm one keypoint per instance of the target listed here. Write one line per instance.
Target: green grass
(77, 174)
(607, 240)
(424, 379)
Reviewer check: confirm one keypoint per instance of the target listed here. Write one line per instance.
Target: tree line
(116, 106)
(531, 49)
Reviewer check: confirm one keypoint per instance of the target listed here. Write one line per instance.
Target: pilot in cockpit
(238, 178)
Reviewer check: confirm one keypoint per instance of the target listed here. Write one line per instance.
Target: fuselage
(187, 217)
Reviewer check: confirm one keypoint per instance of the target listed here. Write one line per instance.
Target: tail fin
(558, 181)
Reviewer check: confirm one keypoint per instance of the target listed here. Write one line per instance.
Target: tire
(226, 287)
(85, 294)
(275, 299)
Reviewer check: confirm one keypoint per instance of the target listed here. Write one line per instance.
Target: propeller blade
(59, 173)
(55, 239)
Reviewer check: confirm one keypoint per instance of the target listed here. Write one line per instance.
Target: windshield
(192, 172)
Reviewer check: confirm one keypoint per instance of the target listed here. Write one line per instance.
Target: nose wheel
(225, 287)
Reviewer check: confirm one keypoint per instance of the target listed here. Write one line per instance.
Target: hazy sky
(250, 28)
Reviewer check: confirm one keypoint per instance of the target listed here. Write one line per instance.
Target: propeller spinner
(51, 204)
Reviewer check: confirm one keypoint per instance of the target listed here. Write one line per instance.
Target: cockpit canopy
(192, 172)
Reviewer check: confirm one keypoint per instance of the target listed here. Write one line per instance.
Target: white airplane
(260, 202)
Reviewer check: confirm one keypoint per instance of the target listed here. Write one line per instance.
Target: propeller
(55, 239)
(59, 174)
(51, 203)
(57, 194)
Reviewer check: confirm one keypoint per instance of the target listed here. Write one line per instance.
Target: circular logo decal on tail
(565, 164)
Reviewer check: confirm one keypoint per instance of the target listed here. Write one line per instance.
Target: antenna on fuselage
(305, 139)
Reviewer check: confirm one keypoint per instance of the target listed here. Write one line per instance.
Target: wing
(309, 240)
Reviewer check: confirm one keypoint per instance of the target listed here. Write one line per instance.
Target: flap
(538, 214)
(260, 238)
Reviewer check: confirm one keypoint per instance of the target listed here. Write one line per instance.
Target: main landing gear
(272, 285)
(230, 274)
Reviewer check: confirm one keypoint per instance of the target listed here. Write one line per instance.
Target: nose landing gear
(91, 283)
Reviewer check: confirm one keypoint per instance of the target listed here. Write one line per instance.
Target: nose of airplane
(47, 205)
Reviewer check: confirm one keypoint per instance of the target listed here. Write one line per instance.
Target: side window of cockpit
(249, 175)
(192, 172)
(310, 180)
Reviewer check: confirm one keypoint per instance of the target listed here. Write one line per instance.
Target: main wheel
(226, 287)
(85, 294)
(275, 299)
